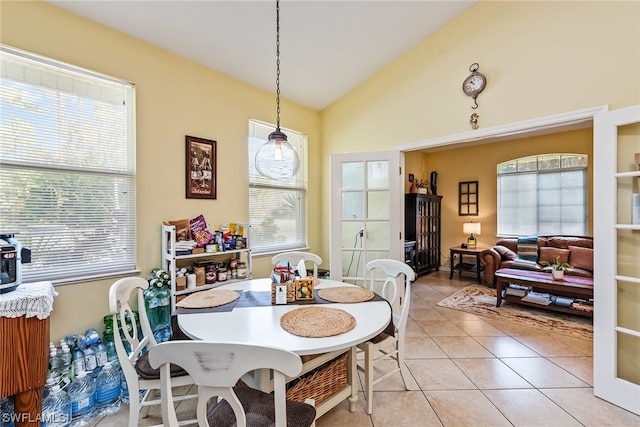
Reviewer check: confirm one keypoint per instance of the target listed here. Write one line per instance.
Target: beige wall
(478, 163)
(540, 59)
(175, 97)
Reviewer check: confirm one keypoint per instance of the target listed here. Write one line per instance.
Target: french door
(366, 212)
(617, 257)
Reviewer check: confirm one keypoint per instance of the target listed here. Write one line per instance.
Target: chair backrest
(216, 368)
(294, 259)
(387, 271)
(120, 295)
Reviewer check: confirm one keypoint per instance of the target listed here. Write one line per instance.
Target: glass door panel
(365, 214)
(628, 360)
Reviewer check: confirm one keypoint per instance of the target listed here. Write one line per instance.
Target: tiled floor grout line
(427, 291)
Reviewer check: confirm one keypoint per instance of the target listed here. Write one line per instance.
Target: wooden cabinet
(422, 225)
(24, 349)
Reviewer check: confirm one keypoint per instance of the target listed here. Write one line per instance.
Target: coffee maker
(12, 256)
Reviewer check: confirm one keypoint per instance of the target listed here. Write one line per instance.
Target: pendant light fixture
(277, 159)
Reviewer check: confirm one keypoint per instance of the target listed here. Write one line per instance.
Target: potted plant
(557, 268)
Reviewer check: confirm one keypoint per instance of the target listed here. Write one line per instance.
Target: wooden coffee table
(570, 287)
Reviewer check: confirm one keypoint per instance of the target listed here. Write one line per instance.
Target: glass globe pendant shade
(277, 159)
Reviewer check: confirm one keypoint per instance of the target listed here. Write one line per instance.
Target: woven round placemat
(346, 294)
(317, 322)
(209, 298)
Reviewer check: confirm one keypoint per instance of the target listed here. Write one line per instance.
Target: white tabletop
(261, 325)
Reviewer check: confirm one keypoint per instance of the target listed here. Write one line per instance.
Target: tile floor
(469, 371)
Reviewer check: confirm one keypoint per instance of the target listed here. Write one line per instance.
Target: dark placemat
(263, 299)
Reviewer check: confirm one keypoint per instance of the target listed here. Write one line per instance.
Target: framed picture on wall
(468, 198)
(200, 168)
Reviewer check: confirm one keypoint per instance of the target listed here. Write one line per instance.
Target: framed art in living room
(200, 168)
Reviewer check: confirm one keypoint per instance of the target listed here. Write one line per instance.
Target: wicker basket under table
(321, 383)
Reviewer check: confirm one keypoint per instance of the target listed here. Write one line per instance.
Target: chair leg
(144, 410)
(311, 402)
(134, 405)
(404, 372)
(368, 377)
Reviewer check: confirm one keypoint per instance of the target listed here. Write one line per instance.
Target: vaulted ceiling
(328, 47)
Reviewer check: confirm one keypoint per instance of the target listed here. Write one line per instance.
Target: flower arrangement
(422, 183)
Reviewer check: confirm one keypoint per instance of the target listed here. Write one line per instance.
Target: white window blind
(277, 208)
(67, 167)
(543, 195)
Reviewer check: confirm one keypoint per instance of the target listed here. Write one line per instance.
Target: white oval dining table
(260, 325)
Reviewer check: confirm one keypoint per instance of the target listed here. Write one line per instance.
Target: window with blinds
(543, 195)
(277, 208)
(67, 168)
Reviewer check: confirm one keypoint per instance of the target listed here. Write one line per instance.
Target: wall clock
(474, 84)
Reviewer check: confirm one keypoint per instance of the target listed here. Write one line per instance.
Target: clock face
(474, 84)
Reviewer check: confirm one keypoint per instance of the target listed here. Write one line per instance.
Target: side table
(461, 266)
(24, 348)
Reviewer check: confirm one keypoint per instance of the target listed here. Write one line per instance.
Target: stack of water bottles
(81, 383)
(157, 304)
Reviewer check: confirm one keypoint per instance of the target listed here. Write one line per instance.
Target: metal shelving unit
(171, 261)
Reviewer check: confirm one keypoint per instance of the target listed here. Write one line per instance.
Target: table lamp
(471, 228)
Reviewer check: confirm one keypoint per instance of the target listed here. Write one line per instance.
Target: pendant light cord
(278, 65)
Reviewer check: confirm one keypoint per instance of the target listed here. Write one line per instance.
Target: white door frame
(540, 126)
(607, 173)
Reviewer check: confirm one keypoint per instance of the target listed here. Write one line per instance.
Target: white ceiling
(327, 47)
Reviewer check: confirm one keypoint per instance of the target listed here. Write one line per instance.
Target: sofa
(575, 250)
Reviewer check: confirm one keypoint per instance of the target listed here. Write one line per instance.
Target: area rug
(481, 301)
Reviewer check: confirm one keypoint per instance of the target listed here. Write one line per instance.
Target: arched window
(543, 195)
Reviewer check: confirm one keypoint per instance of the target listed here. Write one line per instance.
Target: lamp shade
(471, 228)
(277, 159)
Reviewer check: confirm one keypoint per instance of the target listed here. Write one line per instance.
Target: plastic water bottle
(48, 386)
(66, 366)
(82, 394)
(92, 335)
(89, 355)
(110, 345)
(101, 353)
(7, 413)
(108, 389)
(56, 408)
(78, 359)
(156, 299)
(54, 366)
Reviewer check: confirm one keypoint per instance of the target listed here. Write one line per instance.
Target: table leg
(478, 268)
(498, 292)
(452, 262)
(352, 372)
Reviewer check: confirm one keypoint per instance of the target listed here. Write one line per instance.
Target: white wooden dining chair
(294, 259)
(134, 362)
(398, 294)
(216, 368)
